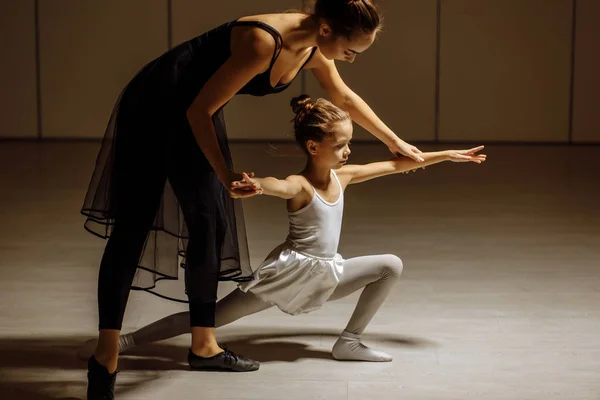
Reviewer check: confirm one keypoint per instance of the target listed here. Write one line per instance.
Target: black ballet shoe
(225, 361)
(101, 384)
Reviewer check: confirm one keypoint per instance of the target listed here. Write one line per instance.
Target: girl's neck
(319, 177)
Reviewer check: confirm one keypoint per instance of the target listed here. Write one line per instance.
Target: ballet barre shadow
(29, 367)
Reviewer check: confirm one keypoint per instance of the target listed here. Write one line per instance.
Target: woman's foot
(223, 361)
(87, 350)
(101, 383)
(349, 348)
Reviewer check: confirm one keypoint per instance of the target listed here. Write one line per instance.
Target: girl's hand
(400, 147)
(242, 189)
(247, 182)
(467, 155)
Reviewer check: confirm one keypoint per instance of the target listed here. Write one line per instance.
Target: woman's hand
(400, 147)
(467, 155)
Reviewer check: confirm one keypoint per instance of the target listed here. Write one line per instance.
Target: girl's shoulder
(300, 180)
(304, 196)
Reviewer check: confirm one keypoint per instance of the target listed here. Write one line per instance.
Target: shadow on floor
(265, 348)
(29, 365)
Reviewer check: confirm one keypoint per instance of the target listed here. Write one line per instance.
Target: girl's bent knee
(393, 266)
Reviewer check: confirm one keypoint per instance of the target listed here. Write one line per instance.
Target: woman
(165, 154)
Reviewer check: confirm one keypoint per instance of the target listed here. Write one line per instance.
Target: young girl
(305, 271)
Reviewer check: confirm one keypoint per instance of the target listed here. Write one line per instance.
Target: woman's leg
(136, 187)
(204, 204)
(377, 275)
(137, 184)
(117, 270)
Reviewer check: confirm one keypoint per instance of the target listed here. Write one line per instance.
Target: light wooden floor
(500, 295)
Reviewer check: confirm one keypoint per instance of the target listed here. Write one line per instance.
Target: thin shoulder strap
(312, 53)
(276, 35)
(338, 181)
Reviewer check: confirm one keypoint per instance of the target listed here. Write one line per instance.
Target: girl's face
(339, 47)
(333, 151)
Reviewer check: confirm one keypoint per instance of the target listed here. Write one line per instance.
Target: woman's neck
(302, 34)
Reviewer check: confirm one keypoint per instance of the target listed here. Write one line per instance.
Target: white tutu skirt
(294, 281)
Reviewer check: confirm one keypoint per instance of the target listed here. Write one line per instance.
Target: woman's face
(339, 47)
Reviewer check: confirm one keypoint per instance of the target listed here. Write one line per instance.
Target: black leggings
(145, 158)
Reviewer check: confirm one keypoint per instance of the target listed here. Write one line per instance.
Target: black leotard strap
(276, 35)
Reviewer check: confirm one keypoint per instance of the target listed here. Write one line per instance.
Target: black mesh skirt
(147, 150)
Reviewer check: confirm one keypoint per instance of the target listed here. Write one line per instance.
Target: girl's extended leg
(230, 308)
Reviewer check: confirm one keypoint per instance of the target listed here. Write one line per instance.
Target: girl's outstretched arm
(362, 173)
(287, 188)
